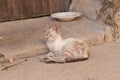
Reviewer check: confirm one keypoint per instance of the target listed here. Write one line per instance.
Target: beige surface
(104, 64)
(25, 38)
(89, 8)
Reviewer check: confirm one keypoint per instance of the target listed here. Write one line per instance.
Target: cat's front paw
(42, 58)
(45, 58)
(54, 58)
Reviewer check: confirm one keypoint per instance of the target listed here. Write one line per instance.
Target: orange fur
(64, 50)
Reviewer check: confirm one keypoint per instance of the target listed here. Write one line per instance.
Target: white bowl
(66, 16)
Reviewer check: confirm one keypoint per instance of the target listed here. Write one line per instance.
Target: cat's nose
(47, 38)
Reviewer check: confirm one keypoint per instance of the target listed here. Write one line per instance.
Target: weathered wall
(109, 15)
(116, 17)
(89, 8)
(19, 9)
(106, 11)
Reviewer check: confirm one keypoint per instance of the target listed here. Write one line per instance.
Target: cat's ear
(54, 29)
(57, 30)
(49, 27)
(46, 28)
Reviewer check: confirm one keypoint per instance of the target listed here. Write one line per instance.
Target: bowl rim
(76, 14)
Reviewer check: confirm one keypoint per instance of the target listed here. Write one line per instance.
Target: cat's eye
(50, 35)
(46, 35)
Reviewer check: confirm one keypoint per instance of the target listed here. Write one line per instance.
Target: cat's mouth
(50, 39)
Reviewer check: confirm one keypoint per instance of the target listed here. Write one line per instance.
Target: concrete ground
(103, 64)
(25, 38)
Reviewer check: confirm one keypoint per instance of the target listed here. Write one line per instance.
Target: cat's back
(73, 41)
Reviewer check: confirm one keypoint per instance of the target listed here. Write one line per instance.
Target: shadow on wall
(106, 11)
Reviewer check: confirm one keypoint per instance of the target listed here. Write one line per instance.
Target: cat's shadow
(72, 61)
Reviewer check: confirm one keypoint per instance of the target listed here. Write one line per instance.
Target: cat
(64, 50)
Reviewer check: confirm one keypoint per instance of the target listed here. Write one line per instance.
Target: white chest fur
(55, 45)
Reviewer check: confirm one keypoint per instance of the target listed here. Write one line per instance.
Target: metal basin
(66, 16)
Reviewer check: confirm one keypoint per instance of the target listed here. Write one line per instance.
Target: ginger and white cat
(64, 50)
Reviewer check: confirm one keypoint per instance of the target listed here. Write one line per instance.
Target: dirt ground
(103, 64)
(25, 38)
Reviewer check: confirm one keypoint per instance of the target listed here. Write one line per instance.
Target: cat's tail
(85, 54)
(84, 57)
(79, 59)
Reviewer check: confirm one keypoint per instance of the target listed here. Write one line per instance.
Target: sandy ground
(27, 37)
(104, 64)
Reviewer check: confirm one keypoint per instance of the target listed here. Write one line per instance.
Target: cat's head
(52, 34)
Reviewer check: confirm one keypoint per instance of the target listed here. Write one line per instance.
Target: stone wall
(106, 11)
(117, 16)
(90, 8)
